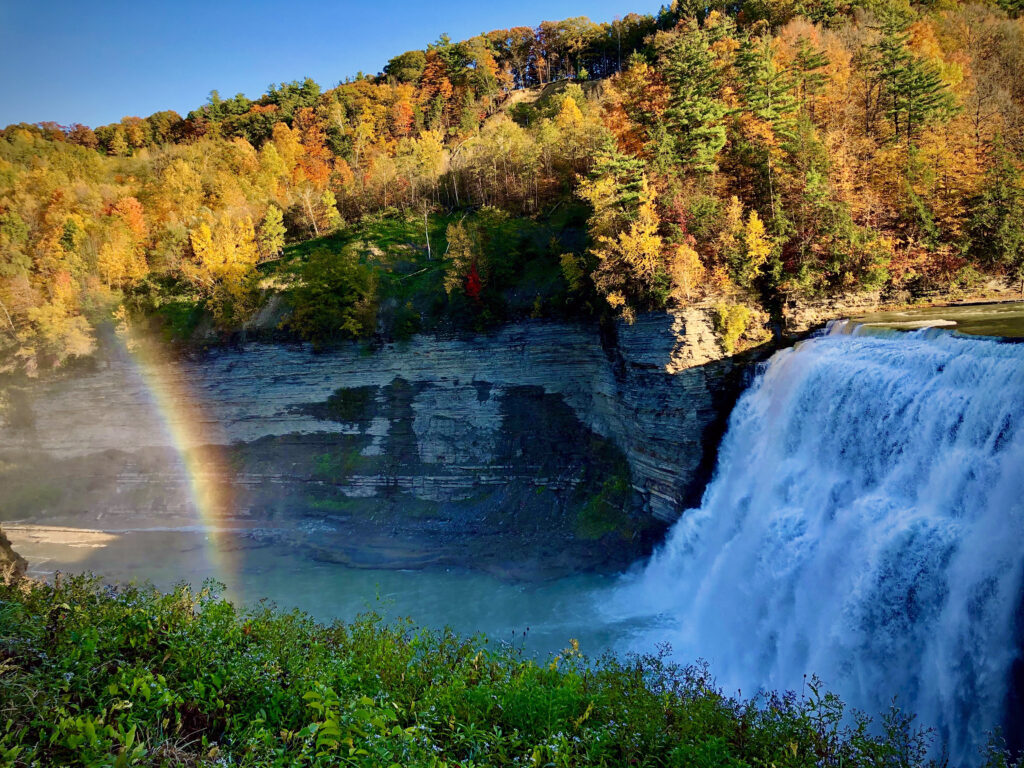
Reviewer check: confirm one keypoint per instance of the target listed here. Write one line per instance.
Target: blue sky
(93, 63)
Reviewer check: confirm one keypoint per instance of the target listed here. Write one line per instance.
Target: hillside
(747, 158)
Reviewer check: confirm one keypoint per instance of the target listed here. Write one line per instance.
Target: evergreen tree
(768, 96)
(695, 113)
(922, 97)
(811, 80)
(912, 88)
(767, 88)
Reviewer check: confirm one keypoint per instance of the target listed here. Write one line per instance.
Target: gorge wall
(537, 450)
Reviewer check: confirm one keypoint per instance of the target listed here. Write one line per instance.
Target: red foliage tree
(474, 285)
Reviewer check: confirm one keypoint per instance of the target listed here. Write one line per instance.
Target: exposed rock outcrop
(542, 447)
(10, 561)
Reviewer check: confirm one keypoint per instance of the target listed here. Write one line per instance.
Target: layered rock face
(540, 449)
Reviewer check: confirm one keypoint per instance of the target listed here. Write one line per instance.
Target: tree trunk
(426, 232)
(8, 316)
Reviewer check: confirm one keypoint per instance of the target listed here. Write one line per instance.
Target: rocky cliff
(540, 449)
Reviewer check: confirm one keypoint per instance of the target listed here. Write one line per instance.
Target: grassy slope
(95, 676)
(523, 275)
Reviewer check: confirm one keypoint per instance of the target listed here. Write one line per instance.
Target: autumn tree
(221, 266)
(745, 244)
(637, 100)
(629, 263)
(60, 330)
(462, 259)
(271, 234)
(686, 271)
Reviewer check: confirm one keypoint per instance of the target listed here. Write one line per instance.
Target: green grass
(606, 512)
(98, 676)
(519, 256)
(389, 242)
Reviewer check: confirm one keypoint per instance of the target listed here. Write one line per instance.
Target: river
(865, 523)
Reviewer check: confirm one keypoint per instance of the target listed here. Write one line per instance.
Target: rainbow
(198, 443)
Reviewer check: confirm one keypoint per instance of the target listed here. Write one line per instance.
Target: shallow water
(541, 618)
(1005, 320)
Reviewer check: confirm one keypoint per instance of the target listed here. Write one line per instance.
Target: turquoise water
(540, 618)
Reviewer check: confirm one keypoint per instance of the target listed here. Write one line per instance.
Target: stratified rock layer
(545, 446)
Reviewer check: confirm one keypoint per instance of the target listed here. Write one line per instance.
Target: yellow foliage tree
(223, 263)
(759, 246)
(629, 261)
(120, 260)
(569, 116)
(290, 150)
(61, 331)
(461, 256)
(745, 246)
(687, 272)
(602, 194)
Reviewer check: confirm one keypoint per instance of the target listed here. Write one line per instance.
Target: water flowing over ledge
(865, 523)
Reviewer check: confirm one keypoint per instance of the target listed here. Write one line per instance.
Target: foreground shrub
(99, 676)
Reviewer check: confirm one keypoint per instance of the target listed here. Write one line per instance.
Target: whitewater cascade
(865, 524)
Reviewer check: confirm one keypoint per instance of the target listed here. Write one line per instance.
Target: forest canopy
(745, 154)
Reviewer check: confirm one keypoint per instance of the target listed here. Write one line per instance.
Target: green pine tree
(768, 90)
(912, 88)
(922, 98)
(695, 114)
(810, 77)
(768, 95)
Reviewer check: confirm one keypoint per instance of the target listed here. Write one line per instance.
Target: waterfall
(866, 524)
